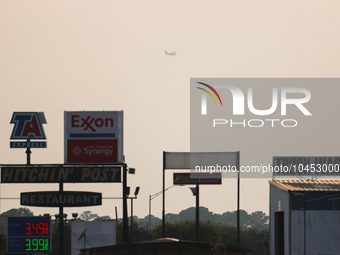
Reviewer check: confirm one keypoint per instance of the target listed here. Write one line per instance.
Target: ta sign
(93, 137)
(28, 125)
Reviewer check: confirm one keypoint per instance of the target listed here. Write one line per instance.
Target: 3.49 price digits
(36, 245)
(36, 229)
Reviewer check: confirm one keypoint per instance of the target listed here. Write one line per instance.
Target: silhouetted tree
(3, 243)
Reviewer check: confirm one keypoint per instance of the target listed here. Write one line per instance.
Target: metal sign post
(28, 153)
(61, 223)
(197, 211)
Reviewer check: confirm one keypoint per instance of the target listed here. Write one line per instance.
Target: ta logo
(28, 125)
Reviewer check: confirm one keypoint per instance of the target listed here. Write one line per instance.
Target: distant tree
(21, 211)
(88, 216)
(187, 214)
(145, 221)
(187, 231)
(259, 220)
(265, 240)
(67, 238)
(208, 232)
(119, 232)
(228, 218)
(256, 240)
(102, 218)
(171, 217)
(205, 214)
(190, 214)
(259, 217)
(228, 234)
(140, 233)
(219, 249)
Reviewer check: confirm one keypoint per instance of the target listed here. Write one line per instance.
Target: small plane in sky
(170, 53)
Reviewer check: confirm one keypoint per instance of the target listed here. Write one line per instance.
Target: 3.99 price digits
(36, 245)
(36, 229)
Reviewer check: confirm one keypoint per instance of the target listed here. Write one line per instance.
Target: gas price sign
(29, 235)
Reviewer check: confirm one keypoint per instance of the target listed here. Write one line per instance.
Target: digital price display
(29, 235)
(37, 228)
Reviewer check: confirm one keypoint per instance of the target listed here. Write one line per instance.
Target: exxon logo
(91, 124)
(28, 125)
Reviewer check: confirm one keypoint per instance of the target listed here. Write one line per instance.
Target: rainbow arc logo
(209, 93)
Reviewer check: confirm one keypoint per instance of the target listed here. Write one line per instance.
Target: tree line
(214, 228)
(258, 219)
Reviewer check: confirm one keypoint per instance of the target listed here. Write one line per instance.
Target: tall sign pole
(28, 153)
(197, 211)
(61, 223)
(238, 198)
(163, 211)
(125, 214)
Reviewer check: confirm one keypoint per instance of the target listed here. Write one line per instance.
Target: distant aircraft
(170, 53)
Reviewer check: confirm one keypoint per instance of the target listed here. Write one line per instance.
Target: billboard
(93, 137)
(198, 160)
(50, 174)
(197, 178)
(60, 198)
(90, 234)
(29, 235)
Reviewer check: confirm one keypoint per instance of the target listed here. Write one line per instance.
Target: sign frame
(20, 125)
(61, 174)
(91, 128)
(60, 198)
(16, 234)
(197, 178)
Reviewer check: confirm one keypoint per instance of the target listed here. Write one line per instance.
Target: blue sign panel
(29, 235)
(28, 144)
(28, 125)
(29, 245)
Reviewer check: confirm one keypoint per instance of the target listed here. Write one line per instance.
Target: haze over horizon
(107, 55)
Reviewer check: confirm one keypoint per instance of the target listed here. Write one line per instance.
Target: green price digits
(36, 244)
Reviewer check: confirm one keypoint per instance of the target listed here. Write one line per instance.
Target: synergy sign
(94, 137)
(27, 126)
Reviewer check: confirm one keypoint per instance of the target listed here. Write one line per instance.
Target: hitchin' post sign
(93, 137)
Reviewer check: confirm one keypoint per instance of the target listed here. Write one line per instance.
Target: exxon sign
(94, 137)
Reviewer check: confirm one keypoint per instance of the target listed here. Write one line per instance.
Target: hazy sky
(109, 55)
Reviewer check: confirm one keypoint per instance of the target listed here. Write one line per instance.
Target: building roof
(299, 185)
(164, 242)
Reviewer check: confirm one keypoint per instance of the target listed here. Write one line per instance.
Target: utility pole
(125, 214)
